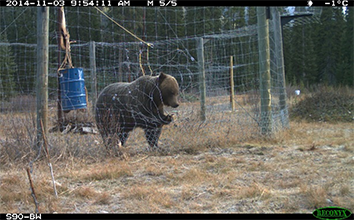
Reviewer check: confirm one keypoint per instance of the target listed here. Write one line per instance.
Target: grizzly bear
(122, 107)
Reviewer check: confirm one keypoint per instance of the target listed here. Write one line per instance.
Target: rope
(140, 63)
(147, 58)
(136, 37)
(65, 36)
(67, 59)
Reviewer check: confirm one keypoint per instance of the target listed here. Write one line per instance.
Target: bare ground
(303, 168)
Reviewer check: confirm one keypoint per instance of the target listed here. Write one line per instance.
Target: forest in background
(315, 52)
(321, 52)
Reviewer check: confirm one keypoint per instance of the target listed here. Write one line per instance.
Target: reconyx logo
(332, 212)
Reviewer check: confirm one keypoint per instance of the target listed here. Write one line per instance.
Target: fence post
(59, 108)
(42, 72)
(264, 69)
(202, 87)
(232, 90)
(278, 38)
(93, 75)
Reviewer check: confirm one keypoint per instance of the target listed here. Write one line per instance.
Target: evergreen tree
(21, 26)
(345, 72)
(7, 69)
(83, 24)
(203, 20)
(328, 38)
(303, 60)
(234, 17)
(350, 49)
(287, 48)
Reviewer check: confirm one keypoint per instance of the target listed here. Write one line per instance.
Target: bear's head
(169, 90)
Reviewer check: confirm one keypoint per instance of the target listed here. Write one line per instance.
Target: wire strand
(136, 37)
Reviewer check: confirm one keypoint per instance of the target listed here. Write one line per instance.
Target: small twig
(45, 142)
(49, 163)
(53, 180)
(140, 159)
(32, 189)
(259, 198)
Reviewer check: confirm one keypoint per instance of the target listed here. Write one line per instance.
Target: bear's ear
(162, 76)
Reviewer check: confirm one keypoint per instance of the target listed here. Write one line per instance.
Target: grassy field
(306, 167)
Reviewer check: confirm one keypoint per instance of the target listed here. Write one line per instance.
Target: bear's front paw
(168, 119)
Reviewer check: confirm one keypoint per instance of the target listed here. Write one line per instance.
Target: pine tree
(304, 57)
(23, 29)
(83, 24)
(234, 17)
(7, 69)
(328, 46)
(203, 20)
(345, 62)
(298, 48)
(300, 52)
(290, 56)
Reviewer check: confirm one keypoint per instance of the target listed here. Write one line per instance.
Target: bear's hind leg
(123, 136)
(152, 137)
(112, 143)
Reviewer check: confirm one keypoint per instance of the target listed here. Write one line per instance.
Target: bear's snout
(175, 105)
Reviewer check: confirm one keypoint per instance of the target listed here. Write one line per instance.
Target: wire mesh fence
(227, 33)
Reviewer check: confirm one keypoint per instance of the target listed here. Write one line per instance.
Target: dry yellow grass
(221, 165)
(285, 174)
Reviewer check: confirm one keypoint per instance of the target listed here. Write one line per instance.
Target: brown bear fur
(121, 107)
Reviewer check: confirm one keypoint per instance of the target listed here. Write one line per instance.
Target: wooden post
(264, 70)
(202, 87)
(278, 38)
(42, 72)
(93, 75)
(232, 92)
(59, 108)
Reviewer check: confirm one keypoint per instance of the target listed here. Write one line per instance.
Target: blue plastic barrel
(72, 87)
